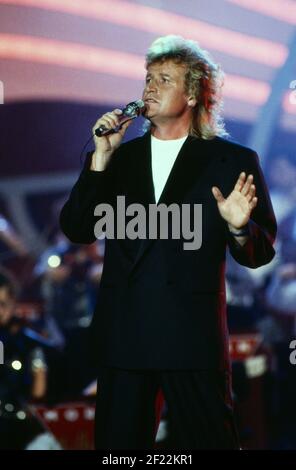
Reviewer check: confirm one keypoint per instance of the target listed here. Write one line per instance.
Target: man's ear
(191, 101)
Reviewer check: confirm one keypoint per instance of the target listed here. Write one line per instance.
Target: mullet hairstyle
(203, 80)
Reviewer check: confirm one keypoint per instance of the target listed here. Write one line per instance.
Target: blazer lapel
(189, 166)
(142, 184)
(191, 162)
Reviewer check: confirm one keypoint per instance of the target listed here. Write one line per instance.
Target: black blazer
(158, 305)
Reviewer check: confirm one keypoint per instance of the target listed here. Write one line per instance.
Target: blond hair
(203, 80)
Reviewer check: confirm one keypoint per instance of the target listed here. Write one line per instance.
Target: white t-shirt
(164, 154)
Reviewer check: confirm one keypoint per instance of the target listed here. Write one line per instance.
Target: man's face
(164, 94)
(6, 306)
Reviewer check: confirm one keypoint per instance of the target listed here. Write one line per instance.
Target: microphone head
(140, 104)
(134, 108)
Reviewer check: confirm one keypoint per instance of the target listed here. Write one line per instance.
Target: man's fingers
(247, 185)
(251, 193)
(109, 120)
(253, 203)
(240, 182)
(217, 194)
(112, 119)
(106, 122)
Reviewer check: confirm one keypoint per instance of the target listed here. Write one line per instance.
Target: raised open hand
(237, 207)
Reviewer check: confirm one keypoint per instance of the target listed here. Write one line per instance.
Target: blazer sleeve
(262, 226)
(77, 219)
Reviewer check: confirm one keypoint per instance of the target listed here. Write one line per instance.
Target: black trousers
(198, 402)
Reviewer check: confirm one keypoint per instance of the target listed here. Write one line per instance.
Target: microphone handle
(103, 130)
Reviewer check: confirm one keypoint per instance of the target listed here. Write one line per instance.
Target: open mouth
(150, 100)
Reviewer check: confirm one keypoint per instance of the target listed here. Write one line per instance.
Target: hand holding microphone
(131, 111)
(109, 131)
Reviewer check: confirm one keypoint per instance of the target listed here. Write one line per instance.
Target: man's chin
(150, 118)
(148, 113)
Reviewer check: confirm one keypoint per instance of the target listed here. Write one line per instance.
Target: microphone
(131, 111)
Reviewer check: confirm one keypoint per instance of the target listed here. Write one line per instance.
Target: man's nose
(151, 85)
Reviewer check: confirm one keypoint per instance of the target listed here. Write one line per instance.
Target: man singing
(160, 320)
